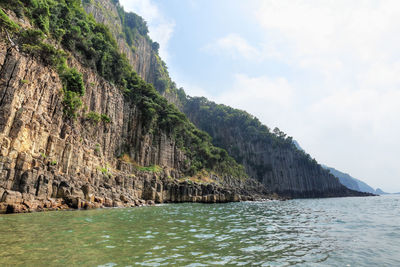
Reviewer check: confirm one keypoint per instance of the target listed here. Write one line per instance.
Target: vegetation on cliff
(267, 155)
(64, 26)
(216, 119)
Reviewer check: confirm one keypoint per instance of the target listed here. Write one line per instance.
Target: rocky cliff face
(50, 162)
(143, 58)
(281, 168)
(142, 55)
(273, 160)
(351, 182)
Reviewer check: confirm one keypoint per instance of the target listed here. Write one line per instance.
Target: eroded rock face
(282, 171)
(50, 162)
(143, 57)
(278, 165)
(105, 12)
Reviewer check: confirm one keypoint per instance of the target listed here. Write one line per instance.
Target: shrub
(105, 118)
(6, 23)
(31, 36)
(93, 116)
(96, 117)
(73, 81)
(50, 55)
(104, 171)
(153, 168)
(40, 13)
(71, 103)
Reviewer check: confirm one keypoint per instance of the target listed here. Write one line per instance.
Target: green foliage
(93, 116)
(105, 118)
(97, 148)
(155, 46)
(92, 44)
(7, 24)
(96, 117)
(72, 102)
(104, 171)
(31, 36)
(132, 25)
(39, 11)
(72, 81)
(16, 6)
(229, 126)
(153, 168)
(53, 162)
(50, 55)
(32, 42)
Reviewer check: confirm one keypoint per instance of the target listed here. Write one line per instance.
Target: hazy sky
(325, 72)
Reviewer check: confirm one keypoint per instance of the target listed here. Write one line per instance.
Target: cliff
(267, 157)
(72, 138)
(130, 31)
(272, 158)
(351, 182)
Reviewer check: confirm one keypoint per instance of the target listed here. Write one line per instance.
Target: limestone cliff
(50, 161)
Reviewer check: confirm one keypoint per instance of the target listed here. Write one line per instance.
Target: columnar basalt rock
(280, 169)
(50, 162)
(144, 58)
(272, 160)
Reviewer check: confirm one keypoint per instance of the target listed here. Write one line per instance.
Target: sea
(356, 231)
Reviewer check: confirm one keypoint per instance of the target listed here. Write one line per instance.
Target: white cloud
(235, 46)
(195, 90)
(270, 99)
(351, 49)
(345, 107)
(161, 28)
(340, 98)
(262, 90)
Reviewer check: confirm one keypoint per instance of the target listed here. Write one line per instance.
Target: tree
(279, 133)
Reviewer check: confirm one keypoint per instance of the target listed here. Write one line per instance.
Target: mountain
(353, 183)
(297, 145)
(79, 128)
(89, 117)
(347, 180)
(380, 192)
(344, 178)
(267, 156)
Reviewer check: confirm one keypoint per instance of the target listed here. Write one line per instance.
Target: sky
(325, 72)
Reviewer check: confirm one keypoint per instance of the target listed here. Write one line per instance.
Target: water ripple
(313, 232)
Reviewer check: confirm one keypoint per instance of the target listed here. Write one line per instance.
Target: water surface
(311, 232)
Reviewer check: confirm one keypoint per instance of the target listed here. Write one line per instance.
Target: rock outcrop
(142, 55)
(279, 168)
(50, 162)
(273, 160)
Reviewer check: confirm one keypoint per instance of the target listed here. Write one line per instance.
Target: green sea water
(310, 232)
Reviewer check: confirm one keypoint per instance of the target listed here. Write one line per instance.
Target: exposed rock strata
(283, 171)
(48, 162)
(143, 58)
(280, 166)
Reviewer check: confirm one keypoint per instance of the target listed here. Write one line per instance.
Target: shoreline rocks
(15, 202)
